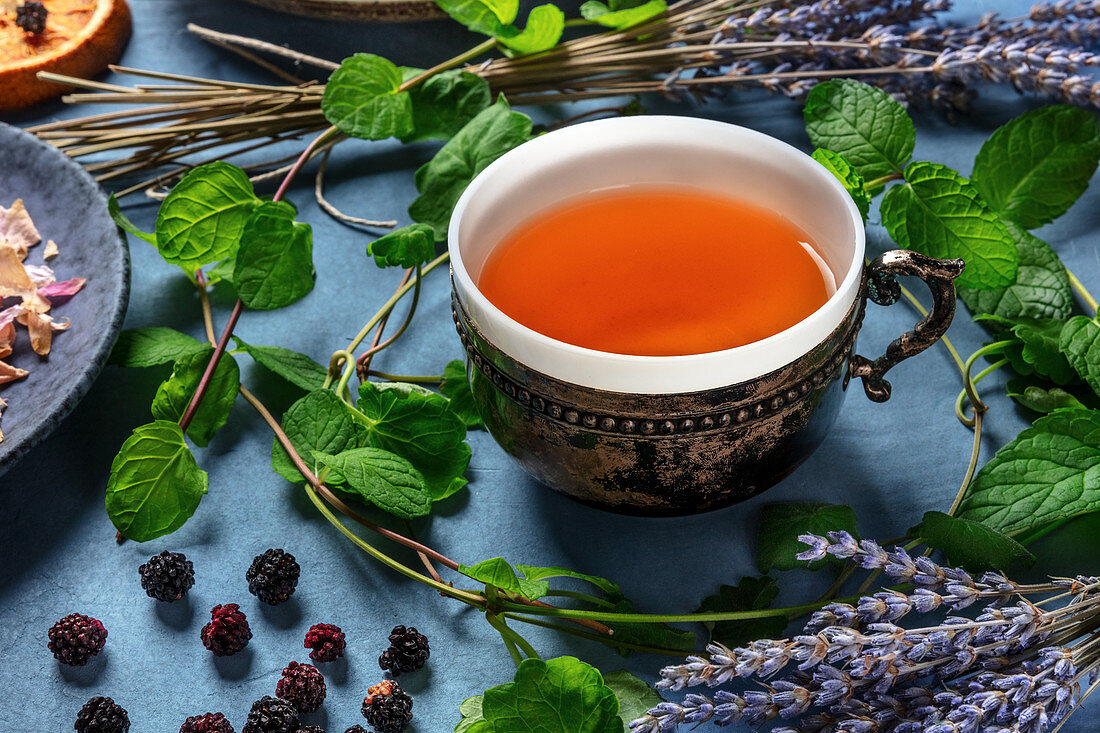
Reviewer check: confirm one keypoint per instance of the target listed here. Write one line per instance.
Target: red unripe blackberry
(167, 576)
(228, 632)
(76, 638)
(273, 576)
(102, 715)
(326, 641)
(207, 723)
(272, 715)
(387, 708)
(302, 686)
(408, 651)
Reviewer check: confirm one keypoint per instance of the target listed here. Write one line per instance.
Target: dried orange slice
(80, 38)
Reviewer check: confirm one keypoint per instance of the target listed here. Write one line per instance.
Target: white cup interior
(654, 151)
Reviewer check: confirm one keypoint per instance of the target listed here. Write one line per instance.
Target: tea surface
(657, 272)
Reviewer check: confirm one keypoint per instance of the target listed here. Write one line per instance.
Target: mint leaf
(562, 695)
(780, 524)
(863, 123)
(202, 218)
(456, 387)
(362, 99)
(1038, 349)
(405, 247)
(1041, 288)
(441, 180)
(636, 697)
(444, 103)
(381, 478)
(418, 425)
(1080, 342)
(481, 16)
(1051, 471)
(1041, 399)
(939, 213)
(970, 544)
(155, 484)
(661, 636)
(274, 266)
(497, 572)
(544, 27)
(320, 422)
(848, 176)
(298, 369)
(124, 223)
(1032, 169)
(610, 589)
(471, 713)
(174, 394)
(620, 19)
(151, 346)
(751, 594)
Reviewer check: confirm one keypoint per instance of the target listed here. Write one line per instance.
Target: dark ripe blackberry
(31, 16)
(387, 707)
(167, 576)
(271, 715)
(273, 576)
(311, 729)
(228, 632)
(76, 638)
(102, 715)
(407, 653)
(207, 723)
(326, 641)
(356, 729)
(302, 686)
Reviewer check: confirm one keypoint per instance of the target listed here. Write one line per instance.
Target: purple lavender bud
(843, 545)
(925, 600)
(819, 546)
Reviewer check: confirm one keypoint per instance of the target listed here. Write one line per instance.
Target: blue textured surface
(57, 555)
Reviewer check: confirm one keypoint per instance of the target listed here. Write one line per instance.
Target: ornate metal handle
(881, 286)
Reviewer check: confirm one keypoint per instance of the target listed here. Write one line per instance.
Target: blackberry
(31, 16)
(273, 576)
(207, 723)
(228, 632)
(76, 638)
(102, 715)
(302, 686)
(407, 653)
(311, 729)
(167, 576)
(271, 715)
(356, 729)
(326, 641)
(387, 707)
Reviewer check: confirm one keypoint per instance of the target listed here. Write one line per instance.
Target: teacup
(667, 435)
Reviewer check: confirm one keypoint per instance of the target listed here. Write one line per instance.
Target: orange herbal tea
(657, 272)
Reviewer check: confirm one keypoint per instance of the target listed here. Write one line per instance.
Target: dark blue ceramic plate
(68, 207)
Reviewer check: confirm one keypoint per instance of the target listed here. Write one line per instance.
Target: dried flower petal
(51, 250)
(59, 292)
(17, 229)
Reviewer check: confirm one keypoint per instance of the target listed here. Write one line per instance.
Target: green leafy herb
(124, 223)
(1041, 288)
(202, 218)
(622, 15)
(848, 176)
(970, 544)
(545, 24)
(440, 181)
(661, 636)
(444, 103)
(498, 573)
(1037, 350)
(1080, 342)
(863, 123)
(274, 266)
(405, 247)
(1051, 471)
(635, 696)
(1032, 169)
(298, 369)
(362, 99)
(383, 479)
(939, 213)
(155, 484)
(1041, 399)
(420, 426)
(482, 16)
(320, 422)
(471, 713)
(780, 524)
(562, 695)
(174, 394)
(609, 588)
(151, 346)
(457, 389)
(751, 594)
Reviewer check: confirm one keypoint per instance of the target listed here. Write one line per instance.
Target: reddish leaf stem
(204, 382)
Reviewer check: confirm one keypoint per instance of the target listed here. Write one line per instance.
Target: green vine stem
(609, 640)
(1083, 292)
(969, 392)
(362, 365)
(410, 378)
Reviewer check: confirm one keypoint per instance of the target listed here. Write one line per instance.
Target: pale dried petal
(7, 338)
(40, 275)
(41, 328)
(8, 315)
(14, 280)
(51, 250)
(17, 229)
(59, 292)
(8, 373)
(3, 404)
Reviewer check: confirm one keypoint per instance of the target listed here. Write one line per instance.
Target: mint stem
(204, 382)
